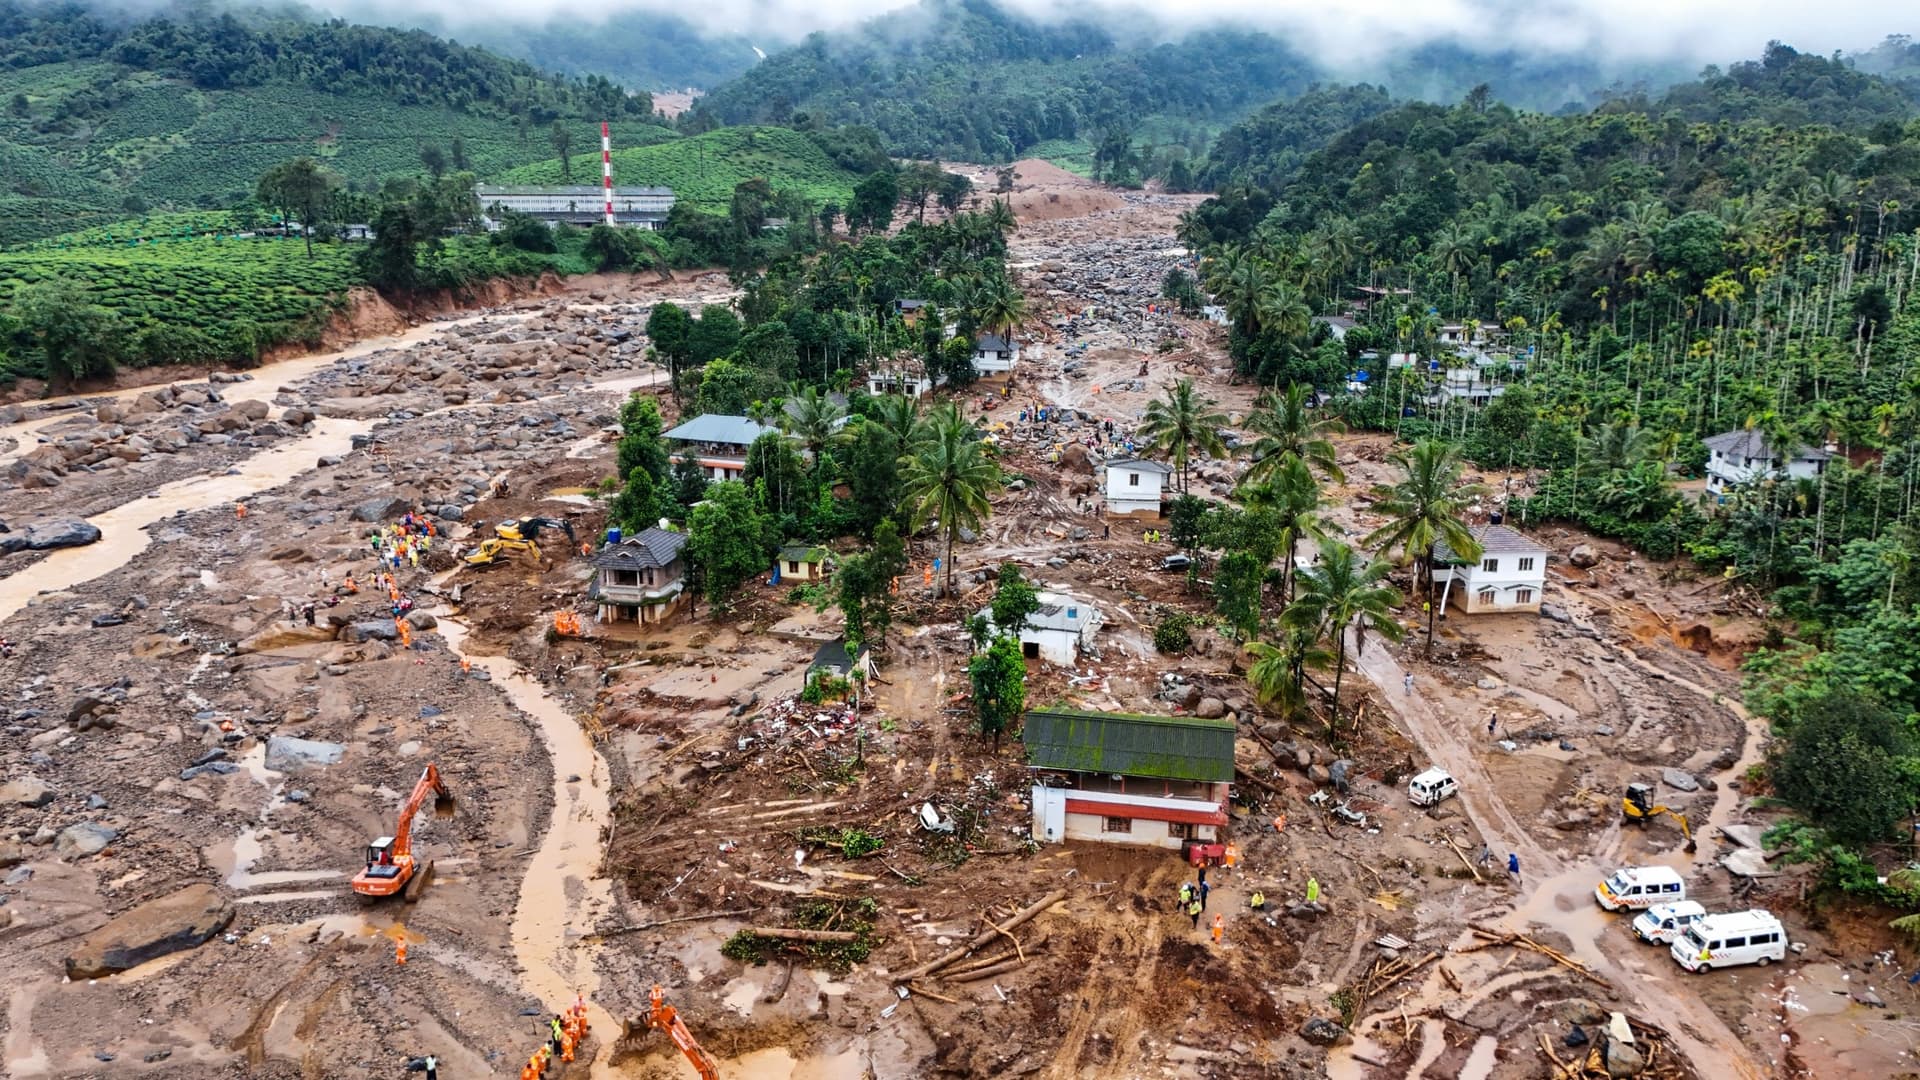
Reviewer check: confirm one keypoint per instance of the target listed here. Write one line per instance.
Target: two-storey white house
(1134, 486)
(1510, 574)
(994, 355)
(1738, 457)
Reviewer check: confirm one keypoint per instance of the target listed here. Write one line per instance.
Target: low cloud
(1344, 35)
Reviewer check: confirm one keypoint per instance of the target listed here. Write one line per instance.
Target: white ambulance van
(1640, 887)
(1742, 937)
(1661, 924)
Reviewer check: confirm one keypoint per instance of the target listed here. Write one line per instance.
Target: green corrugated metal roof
(1164, 747)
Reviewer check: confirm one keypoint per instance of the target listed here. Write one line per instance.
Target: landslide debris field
(191, 774)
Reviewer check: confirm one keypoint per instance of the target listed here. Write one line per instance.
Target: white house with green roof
(1121, 778)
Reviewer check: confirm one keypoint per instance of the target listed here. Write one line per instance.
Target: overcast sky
(1716, 30)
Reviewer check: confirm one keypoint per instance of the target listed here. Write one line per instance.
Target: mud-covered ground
(627, 802)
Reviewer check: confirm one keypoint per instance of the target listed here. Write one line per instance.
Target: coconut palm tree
(1181, 423)
(1288, 428)
(948, 476)
(1425, 506)
(1616, 446)
(1001, 306)
(1340, 591)
(899, 415)
(1282, 308)
(813, 420)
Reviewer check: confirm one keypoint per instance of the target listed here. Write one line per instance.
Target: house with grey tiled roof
(994, 354)
(1509, 575)
(718, 442)
(643, 578)
(1740, 457)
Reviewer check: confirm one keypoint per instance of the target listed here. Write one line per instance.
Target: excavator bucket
(417, 884)
(1692, 845)
(443, 804)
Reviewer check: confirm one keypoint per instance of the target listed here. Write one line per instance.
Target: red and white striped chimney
(606, 167)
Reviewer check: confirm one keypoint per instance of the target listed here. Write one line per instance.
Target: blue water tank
(613, 535)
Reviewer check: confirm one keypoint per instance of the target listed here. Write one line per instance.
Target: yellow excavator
(516, 537)
(1639, 808)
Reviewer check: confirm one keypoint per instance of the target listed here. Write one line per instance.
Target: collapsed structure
(1155, 781)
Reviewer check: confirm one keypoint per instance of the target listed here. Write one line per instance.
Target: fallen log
(794, 933)
(1472, 869)
(777, 989)
(1036, 945)
(984, 937)
(924, 992)
(986, 972)
(669, 922)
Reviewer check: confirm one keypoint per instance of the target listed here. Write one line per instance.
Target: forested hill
(965, 79)
(103, 117)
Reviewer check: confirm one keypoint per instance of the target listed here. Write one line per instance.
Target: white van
(1662, 924)
(1432, 786)
(1742, 937)
(1640, 887)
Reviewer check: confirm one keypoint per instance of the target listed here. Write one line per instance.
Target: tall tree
(1288, 427)
(1014, 599)
(1293, 496)
(999, 676)
(814, 420)
(948, 476)
(1181, 423)
(1427, 504)
(729, 540)
(1339, 592)
(562, 148)
(299, 188)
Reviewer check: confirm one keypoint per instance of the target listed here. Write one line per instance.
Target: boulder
(1679, 780)
(177, 921)
(11, 854)
(281, 636)
(60, 533)
(254, 411)
(449, 512)
(422, 620)
(369, 630)
(1075, 459)
(385, 508)
(1583, 556)
(1321, 1031)
(296, 417)
(1581, 1010)
(288, 754)
(1210, 708)
(1624, 1061)
(27, 791)
(84, 839)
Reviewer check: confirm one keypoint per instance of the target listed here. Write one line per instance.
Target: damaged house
(1156, 781)
(642, 578)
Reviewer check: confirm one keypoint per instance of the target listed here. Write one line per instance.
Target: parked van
(1742, 937)
(1662, 924)
(1432, 786)
(1640, 887)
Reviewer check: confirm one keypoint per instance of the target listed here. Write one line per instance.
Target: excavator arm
(664, 1018)
(428, 784)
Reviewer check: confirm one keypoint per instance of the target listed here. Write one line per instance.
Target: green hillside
(101, 117)
(703, 170)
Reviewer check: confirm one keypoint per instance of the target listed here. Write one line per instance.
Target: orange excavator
(390, 864)
(665, 1019)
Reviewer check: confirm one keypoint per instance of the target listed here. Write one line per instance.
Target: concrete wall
(802, 571)
(994, 363)
(1058, 647)
(1505, 583)
(1132, 490)
(1724, 472)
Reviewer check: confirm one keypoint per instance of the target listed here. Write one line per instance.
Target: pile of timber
(1382, 976)
(1490, 938)
(1013, 957)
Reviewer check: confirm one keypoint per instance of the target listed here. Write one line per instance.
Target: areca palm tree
(1293, 495)
(1340, 591)
(1288, 428)
(814, 420)
(1424, 506)
(948, 476)
(1181, 423)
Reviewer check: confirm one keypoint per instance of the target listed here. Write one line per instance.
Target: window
(1486, 596)
(1491, 566)
(1526, 564)
(1179, 831)
(792, 567)
(1736, 942)
(1133, 479)
(1119, 825)
(1523, 596)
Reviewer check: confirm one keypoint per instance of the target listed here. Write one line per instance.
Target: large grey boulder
(86, 838)
(381, 509)
(369, 630)
(1679, 780)
(1210, 708)
(288, 754)
(47, 535)
(157, 928)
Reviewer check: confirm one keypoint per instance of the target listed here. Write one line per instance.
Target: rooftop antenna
(606, 168)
